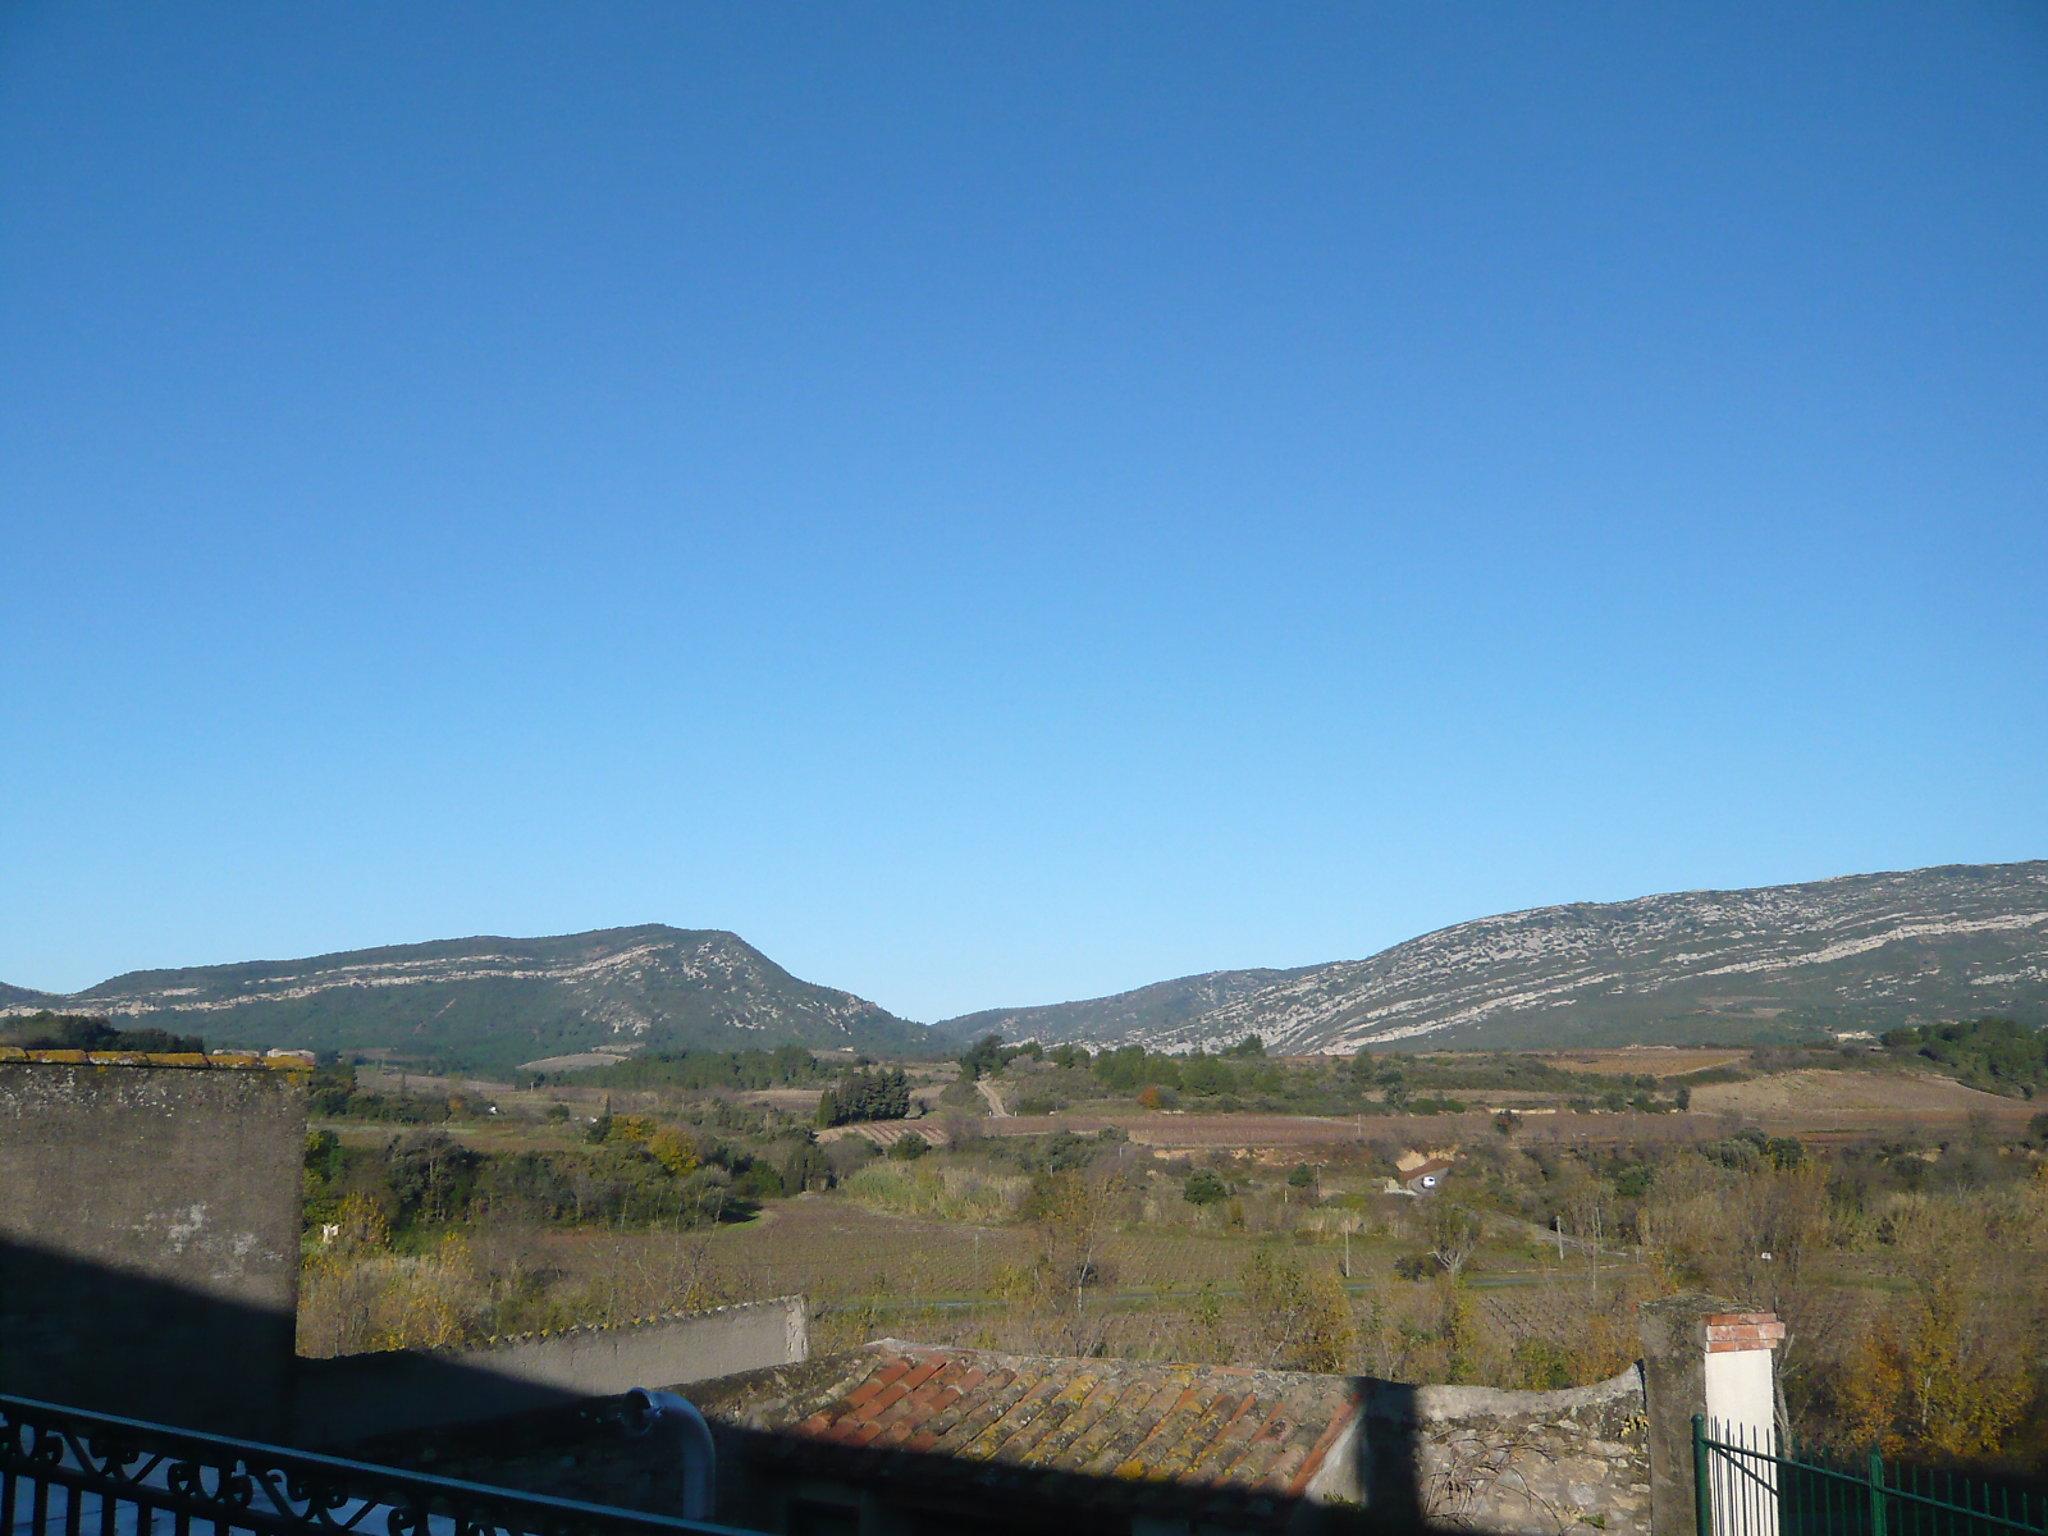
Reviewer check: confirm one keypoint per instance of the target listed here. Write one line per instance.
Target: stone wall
(1526, 1463)
(149, 1237)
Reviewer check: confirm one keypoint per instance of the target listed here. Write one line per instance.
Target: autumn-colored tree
(362, 1224)
(1937, 1373)
(674, 1150)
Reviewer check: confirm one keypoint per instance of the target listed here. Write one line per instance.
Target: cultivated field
(1836, 1100)
(886, 1133)
(1644, 1060)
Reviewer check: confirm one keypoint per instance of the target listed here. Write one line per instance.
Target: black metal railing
(68, 1472)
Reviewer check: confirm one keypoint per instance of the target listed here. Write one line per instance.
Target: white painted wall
(1741, 1410)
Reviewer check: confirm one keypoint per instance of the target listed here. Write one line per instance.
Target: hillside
(1864, 952)
(495, 1002)
(1165, 1005)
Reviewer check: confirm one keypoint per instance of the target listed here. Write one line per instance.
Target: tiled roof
(1225, 1430)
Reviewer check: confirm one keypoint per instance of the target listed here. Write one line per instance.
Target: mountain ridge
(1679, 965)
(1848, 953)
(495, 1000)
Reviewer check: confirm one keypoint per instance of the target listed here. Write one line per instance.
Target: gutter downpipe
(682, 1427)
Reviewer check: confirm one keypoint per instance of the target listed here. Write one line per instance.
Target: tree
(1300, 1321)
(1937, 1373)
(1203, 1187)
(1072, 1213)
(807, 1167)
(674, 1150)
(880, 1094)
(1453, 1234)
(985, 1055)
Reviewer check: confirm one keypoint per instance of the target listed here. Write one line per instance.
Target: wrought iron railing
(1746, 1484)
(67, 1472)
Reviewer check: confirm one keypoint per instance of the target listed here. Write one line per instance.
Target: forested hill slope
(1860, 952)
(495, 1002)
(1147, 1012)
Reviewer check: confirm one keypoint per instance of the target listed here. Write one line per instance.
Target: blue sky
(998, 504)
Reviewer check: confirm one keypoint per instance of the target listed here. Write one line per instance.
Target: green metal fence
(1747, 1485)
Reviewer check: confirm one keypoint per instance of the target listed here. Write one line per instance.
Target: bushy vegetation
(942, 1194)
(336, 1094)
(1242, 1077)
(1997, 1055)
(47, 1031)
(631, 1170)
(786, 1066)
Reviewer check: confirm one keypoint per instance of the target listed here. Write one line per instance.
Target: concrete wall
(149, 1238)
(1529, 1463)
(355, 1397)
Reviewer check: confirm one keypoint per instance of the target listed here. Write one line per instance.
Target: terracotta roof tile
(1230, 1429)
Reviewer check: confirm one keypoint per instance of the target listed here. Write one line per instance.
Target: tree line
(881, 1093)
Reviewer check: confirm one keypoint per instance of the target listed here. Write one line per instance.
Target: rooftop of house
(1230, 1433)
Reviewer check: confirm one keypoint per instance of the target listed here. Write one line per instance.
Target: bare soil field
(1168, 1132)
(1644, 1060)
(1827, 1100)
(574, 1060)
(1825, 1104)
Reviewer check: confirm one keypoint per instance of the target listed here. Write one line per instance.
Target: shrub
(908, 1148)
(1203, 1187)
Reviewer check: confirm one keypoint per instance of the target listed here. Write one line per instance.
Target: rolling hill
(495, 1002)
(1779, 962)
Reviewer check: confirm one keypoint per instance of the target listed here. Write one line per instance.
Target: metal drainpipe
(682, 1427)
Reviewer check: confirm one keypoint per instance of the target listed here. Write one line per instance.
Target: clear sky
(1004, 503)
